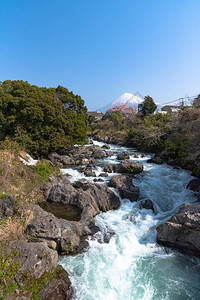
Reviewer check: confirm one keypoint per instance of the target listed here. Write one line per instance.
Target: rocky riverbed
(97, 179)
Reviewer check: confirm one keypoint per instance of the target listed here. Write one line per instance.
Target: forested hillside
(41, 119)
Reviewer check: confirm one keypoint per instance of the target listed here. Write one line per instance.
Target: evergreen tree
(147, 107)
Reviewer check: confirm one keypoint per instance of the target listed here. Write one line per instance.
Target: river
(132, 265)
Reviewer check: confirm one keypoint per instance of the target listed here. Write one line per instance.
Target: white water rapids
(132, 265)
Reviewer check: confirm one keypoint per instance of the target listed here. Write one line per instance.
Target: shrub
(43, 169)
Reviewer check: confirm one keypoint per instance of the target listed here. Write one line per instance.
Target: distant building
(160, 112)
(170, 109)
(97, 114)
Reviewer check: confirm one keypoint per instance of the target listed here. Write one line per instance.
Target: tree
(122, 109)
(196, 102)
(147, 107)
(41, 119)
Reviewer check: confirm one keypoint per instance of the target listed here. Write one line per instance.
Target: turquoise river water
(132, 265)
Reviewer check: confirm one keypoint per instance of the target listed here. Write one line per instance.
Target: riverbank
(174, 139)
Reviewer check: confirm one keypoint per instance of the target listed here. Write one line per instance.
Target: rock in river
(182, 231)
(125, 187)
(126, 166)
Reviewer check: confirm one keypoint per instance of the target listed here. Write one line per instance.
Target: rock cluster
(78, 156)
(67, 236)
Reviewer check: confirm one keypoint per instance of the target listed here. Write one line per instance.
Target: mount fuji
(126, 98)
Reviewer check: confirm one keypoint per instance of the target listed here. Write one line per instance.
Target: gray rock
(89, 173)
(8, 206)
(63, 193)
(71, 235)
(60, 160)
(105, 147)
(105, 174)
(123, 155)
(146, 204)
(59, 288)
(44, 225)
(155, 160)
(98, 180)
(125, 187)
(194, 185)
(69, 243)
(109, 169)
(182, 231)
(98, 154)
(75, 156)
(126, 166)
(35, 259)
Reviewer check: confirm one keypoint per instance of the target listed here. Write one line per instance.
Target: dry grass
(17, 179)
(12, 228)
(24, 184)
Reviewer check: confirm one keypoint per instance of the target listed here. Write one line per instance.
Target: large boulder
(99, 154)
(156, 160)
(62, 192)
(182, 231)
(98, 196)
(147, 204)
(89, 173)
(35, 259)
(105, 146)
(125, 187)
(131, 167)
(44, 225)
(126, 166)
(104, 174)
(194, 185)
(123, 155)
(59, 288)
(59, 234)
(90, 197)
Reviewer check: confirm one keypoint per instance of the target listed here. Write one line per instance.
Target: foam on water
(132, 265)
(73, 175)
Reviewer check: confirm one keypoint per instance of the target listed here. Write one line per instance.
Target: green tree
(147, 107)
(41, 119)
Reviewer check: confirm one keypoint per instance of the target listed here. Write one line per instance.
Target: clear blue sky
(100, 49)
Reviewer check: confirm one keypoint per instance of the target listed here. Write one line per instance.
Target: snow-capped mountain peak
(127, 98)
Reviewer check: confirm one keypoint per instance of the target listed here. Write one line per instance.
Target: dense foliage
(147, 107)
(41, 119)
